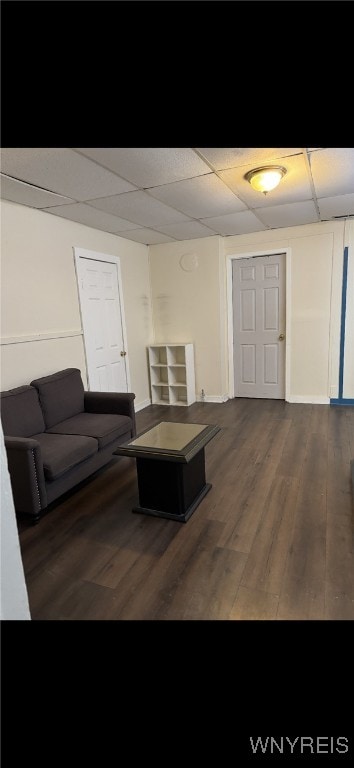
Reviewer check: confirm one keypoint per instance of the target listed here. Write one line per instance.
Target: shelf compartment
(160, 394)
(176, 355)
(158, 355)
(178, 394)
(177, 374)
(159, 374)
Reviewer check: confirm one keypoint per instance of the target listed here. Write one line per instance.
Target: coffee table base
(171, 489)
(170, 516)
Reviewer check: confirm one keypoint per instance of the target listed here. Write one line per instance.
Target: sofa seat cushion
(61, 395)
(63, 452)
(21, 413)
(105, 427)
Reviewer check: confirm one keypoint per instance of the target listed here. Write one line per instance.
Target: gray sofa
(57, 435)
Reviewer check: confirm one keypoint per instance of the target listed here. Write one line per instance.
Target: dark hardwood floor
(273, 539)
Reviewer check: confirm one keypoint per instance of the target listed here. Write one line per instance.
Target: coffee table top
(169, 441)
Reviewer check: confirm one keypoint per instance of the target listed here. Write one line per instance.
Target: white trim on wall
(308, 399)
(40, 337)
(230, 326)
(212, 399)
(142, 405)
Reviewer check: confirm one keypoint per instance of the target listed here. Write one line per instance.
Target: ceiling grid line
(308, 166)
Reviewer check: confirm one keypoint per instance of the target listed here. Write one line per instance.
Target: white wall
(39, 296)
(13, 591)
(348, 363)
(310, 315)
(186, 306)
(315, 276)
(192, 306)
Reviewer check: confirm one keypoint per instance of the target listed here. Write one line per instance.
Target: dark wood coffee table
(170, 464)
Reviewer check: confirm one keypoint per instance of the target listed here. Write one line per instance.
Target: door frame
(229, 305)
(84, 253)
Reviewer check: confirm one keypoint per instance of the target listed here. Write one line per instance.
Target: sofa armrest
(120, 403)
(24, 458)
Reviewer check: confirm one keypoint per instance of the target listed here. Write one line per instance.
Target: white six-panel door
(101, 313)
(258, 286)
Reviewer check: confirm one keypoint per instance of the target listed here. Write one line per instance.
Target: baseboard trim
(305, 399)
(308, 399)
(142, 405)
(212, 398)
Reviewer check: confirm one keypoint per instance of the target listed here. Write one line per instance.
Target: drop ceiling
(159, 195)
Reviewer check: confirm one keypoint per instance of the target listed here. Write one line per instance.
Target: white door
(258, 286)
(101, 312)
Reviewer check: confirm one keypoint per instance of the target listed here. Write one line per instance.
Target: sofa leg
(36, 518)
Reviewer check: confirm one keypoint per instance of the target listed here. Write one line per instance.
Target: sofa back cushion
(21, 413)
(61, 395)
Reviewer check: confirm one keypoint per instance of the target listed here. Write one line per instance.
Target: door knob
(281, 336)
(123, 354)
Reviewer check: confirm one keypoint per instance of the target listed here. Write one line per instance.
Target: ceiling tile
(235, 223)
(62, 171)
(149, 167)
(84, 214)
(289, 215)
(232, 157)
(201, 197)
(294, 186)
(184, 198)
(140, 208)
(147, 236)
(343, 205)
(26, 194)
(186, 230)
(333, 172)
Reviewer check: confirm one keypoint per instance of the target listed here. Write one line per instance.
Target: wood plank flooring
(273, 539)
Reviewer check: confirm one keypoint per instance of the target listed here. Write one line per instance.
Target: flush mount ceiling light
(265, 179)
